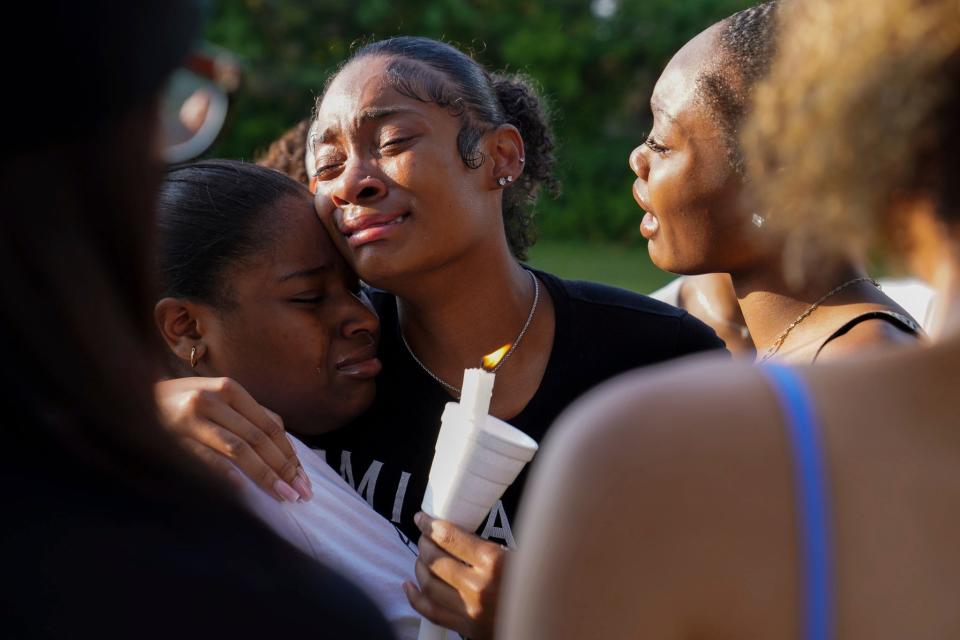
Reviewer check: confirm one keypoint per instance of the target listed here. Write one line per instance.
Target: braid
(747, 44)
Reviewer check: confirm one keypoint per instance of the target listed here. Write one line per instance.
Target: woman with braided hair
(698, 220)
(809, 502)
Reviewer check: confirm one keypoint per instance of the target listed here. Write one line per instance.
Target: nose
(638, 162)
(359, 184)
(360, 319)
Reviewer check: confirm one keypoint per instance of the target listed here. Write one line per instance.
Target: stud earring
(757, 220)
(502, 181)
(522, 159)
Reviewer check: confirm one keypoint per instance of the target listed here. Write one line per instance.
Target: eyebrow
(369, 114)
(657, 107)
(379, 113)
(305, 273)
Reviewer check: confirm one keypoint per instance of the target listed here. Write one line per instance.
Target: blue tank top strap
(810, 474)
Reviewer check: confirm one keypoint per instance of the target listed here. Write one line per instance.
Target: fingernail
(302, 488)
(285, 491)
(306, 478)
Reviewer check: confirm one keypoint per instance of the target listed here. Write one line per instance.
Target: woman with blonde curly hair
(785, 503)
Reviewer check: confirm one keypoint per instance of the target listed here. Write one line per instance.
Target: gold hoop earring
(193, 356)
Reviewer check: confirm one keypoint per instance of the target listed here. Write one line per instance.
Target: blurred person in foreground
(691, 184)
(785, 503)
(111, 526)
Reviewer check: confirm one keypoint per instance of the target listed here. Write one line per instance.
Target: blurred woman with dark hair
(111, 526)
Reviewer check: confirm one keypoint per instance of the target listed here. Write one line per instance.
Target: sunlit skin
(295, 333)
(413, 219)
(709, 543)
(685, 183)
(696, 223)
(384, 168)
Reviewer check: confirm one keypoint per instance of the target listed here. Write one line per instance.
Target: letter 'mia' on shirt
(503, 531)
(368, 483)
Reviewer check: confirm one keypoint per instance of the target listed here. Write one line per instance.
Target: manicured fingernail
(285, 491)
(302, 488)
(306, 478)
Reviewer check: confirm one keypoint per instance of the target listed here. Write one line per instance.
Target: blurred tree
(596, 63)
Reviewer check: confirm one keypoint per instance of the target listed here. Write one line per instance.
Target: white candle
(476, 393)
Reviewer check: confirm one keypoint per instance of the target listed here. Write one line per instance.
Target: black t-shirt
(601, 331)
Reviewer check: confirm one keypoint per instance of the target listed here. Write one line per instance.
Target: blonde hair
(860, 104)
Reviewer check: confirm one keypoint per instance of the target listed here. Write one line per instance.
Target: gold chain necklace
(513, 347)
(775, 347)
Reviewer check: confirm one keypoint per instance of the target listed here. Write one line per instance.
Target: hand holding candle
(477, 457)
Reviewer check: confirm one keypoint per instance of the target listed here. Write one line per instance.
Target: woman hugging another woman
(257, 300)
(427, 166)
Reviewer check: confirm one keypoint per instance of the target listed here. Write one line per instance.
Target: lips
(363, 228)
(361, 364)
(650, 223)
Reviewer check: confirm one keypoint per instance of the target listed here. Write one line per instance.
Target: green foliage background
(596, 69)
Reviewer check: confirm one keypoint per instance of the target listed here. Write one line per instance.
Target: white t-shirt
(342, 531)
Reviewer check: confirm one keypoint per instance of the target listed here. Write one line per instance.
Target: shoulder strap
(810, 476)
(903, 322)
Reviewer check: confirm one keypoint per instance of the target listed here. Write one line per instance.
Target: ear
(181, 323)
(506, 150)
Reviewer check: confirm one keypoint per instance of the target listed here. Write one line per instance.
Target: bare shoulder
(654, 488)
(687, 400)
(670, 434)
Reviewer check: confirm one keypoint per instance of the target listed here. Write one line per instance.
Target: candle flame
(491, 360)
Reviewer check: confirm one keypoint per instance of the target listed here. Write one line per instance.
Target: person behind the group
(110, 529)
(769, 502)
(427, 167)
(286, 154)
(690, 183)
(254, 291)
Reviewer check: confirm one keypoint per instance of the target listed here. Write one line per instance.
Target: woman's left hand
(459, 575)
